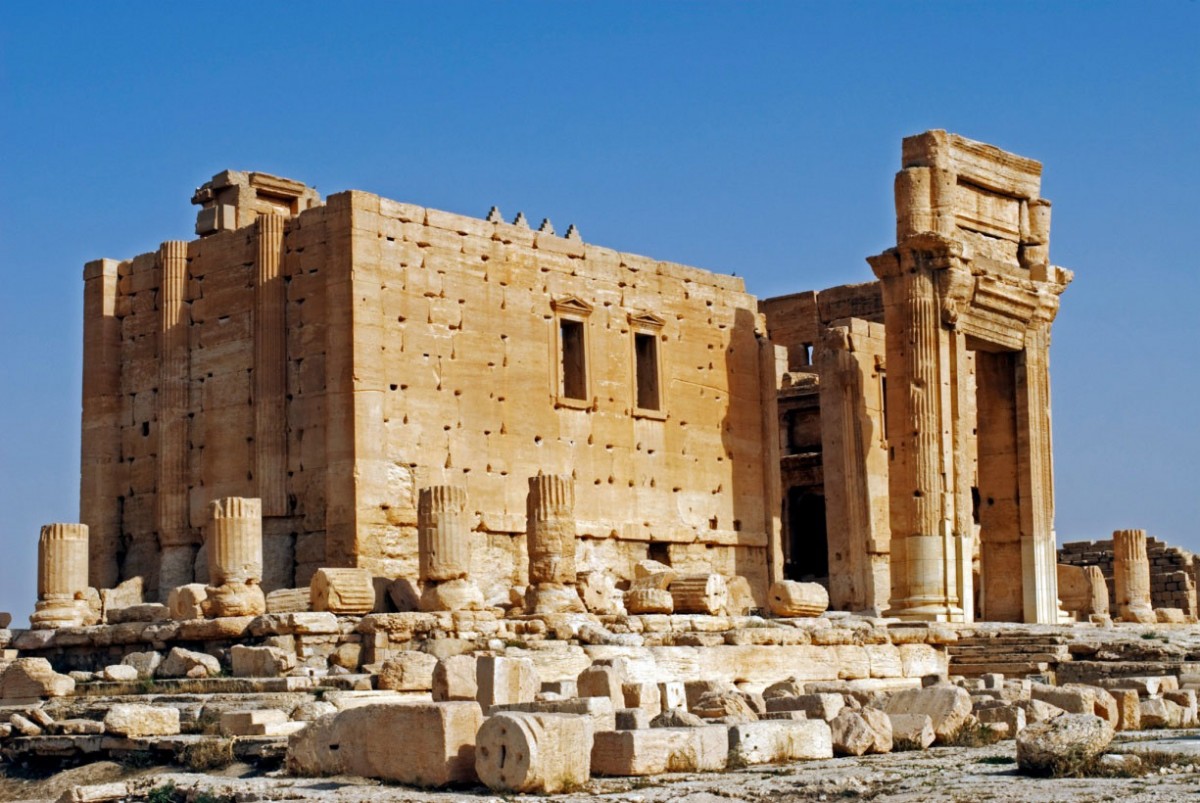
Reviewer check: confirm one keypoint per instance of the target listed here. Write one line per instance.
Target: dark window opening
(658, 551)
(646, 351)
(574, 360)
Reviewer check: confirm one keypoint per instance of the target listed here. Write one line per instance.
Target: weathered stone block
(438, 743)
(33, 677)
(343, 591)
(260, 662)
(504, 680)
(782, 740)
(408, 671)
(136, 721)
(659, 750)
(788, 598)
(454, 678)
(946, 706)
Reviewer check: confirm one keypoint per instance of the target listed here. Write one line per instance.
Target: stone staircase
(1013, 654)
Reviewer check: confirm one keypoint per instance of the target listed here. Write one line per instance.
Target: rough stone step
(1009, 670)
(1090, 671)
(253, 749)
(972, 649)
(1006, 658)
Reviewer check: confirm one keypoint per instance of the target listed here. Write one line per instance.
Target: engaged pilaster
(178, 556)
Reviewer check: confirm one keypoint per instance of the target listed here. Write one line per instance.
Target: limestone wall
(420, 348)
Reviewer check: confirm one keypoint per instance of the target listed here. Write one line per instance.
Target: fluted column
(270, 369)
(1131, 573)
(235, 558)
(62, 577)
(174, 533)
(550, 534)
(444, 549)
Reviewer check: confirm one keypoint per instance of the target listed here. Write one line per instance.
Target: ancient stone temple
(333, 359)
(390, 380)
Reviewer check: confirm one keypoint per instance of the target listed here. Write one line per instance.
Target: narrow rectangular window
(646, 351)
(574, 359)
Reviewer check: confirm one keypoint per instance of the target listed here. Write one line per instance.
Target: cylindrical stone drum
(544, 753)
(62, 560)
(550, 529)
(443, 533)
(1131, 571)
(235, 545)
(700, 593)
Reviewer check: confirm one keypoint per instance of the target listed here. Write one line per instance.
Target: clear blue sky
(758, 139)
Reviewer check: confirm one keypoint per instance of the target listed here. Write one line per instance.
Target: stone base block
(424, 744)
(659, 750)
(779, 740)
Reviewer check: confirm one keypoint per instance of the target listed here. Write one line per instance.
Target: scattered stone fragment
(27, 678)
(343, 591)
(408, 671)
(135, 721)
(181, 663)
(658, 750)
(1063, 744)
(145, 663)
(948, 707)
(911, 731)
(260, 662)
(454, 678)
(119, 673)
(728, 706)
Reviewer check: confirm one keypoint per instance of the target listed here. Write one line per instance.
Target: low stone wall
(875, 652)
(1174, 572)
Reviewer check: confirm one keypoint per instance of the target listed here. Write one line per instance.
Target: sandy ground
(939, 774)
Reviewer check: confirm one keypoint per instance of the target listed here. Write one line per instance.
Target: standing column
(550, 534)
(175, 536)
(235, 558)
(922, 546)
(62, 578)
(444, 550)
(100, 484)
(1131, 573)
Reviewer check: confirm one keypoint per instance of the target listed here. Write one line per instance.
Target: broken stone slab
(602, 681)
(823, 706)
(502, 680)
(728, 706)
(1129, 713)
(771, 742)
(1145, 686)
(677, 718)
(117, 673)
(408, 670)
(598, 709)
(181, 663)
(76, 727)
(438, 743)
(1009, 718)
(911, 731)
(948, 707)
(260, 662)
(29, 678)
(658, 750)
(261, 722)
(640, 601)
(136, 721)
(454, 678)
(528, 752)
(1061, 745)
(852, 735)
(145, 663)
